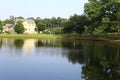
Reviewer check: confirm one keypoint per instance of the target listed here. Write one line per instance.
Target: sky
(40, 8)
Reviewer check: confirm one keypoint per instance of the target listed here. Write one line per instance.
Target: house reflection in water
(7, 46)
(18, 46)
(8, 42)
(29, 46)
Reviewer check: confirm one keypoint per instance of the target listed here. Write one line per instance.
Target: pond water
(33, 59)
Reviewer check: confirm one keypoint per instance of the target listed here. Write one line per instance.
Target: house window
(35, 29)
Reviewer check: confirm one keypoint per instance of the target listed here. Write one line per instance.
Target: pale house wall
(29, 27)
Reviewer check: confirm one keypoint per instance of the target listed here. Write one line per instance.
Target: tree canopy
(1, 26)
(103, 15)
(75, 24)
(99, 17)
(19, 28)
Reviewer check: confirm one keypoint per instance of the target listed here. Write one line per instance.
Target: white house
(30, 26)
(8, 28)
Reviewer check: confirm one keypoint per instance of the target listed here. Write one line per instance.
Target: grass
(109, 37)
(40, 36)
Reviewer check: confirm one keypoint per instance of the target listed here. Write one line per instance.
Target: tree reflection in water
(0, 42)
(103, 63)
(18, 43)
(100, 61)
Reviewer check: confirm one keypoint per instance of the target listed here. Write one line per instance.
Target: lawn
(42, 36)
(108, 38)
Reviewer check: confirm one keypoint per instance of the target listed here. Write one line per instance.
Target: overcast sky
(40, 8)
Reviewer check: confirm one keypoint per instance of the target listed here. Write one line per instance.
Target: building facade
(30, 26)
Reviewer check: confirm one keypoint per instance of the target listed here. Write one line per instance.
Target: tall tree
(75, 24)
(40, 26)
(19, 28)
(1, 28)
(100, 11)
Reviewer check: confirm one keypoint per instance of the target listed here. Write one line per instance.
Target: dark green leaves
(19, 28)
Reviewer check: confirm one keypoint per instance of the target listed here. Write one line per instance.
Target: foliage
(1, 27)
(50, 22)
(103, 15)
(19, 17)
(99, 17)
(57, 30)
(99, 30)
(19, 28)
(10, 20)
(40, 26)
(75, 24)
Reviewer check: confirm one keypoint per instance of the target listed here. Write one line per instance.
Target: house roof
(30, 21)
(19, 20)
(8, 26)
(22, 20)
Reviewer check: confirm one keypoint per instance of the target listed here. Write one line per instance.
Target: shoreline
(61, 36)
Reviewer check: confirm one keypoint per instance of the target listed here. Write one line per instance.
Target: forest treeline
(99, 17)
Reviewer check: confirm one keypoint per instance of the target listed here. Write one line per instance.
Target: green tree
(75, 24)
(40, 26)
(19, 17)
(19, 28)
(94, 12)
(102, 14)
(1, 28)
(50, 23)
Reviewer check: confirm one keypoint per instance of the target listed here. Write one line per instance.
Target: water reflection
(100, 61)
(18, 43)
(27, 46)
(0, 42)
(8, 42)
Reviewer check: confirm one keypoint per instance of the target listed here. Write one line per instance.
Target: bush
(19, 28)
(57, 30)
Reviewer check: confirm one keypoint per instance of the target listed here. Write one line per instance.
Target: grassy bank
(40, 36)
(109, 38)
(114, 38)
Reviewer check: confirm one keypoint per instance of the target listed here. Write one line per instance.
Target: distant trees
(1, 28)
(51, 24)
(100, 17)
(40, 26)
(10, 20)
(19, 17)
(19, 28)
(75, 24)
(46, 23)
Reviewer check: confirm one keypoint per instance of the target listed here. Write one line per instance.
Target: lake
(44, 59)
